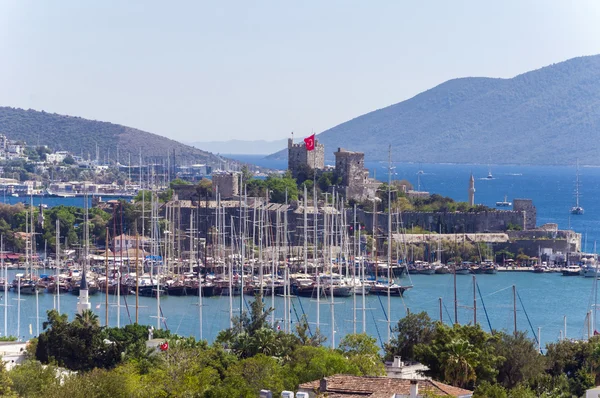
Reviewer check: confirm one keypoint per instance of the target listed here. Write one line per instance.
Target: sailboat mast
(305, 199)
(362, 282)
(286, 278)
(354, 272)
(230, 271)
(389, 246)
(5, 269)
(57, 265)
(315, 258)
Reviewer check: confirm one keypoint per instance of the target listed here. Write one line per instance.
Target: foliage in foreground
(79, 358)
(497, 365)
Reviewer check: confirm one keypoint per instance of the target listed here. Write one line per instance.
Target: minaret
(472, 191)
(84, 302)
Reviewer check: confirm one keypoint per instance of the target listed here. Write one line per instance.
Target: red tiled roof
(346, 385)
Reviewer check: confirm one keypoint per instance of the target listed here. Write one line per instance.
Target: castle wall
(530, 211)
(299, 158)
(227, 184)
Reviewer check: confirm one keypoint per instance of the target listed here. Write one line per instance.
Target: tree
(178, 181)
(313, 363)
(247, 175)
(31, 379)
(363, 352)
(69, 160)
(459, 364)
(278, 186)
(87, 319)
(251, 375)
(251, 334)
(305, 336)
(522, 361)
(466, 346)
(6, 382)
(77, 345)
(411, 330)
(489, 390)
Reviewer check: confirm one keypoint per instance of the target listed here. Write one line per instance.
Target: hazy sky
(203, 71)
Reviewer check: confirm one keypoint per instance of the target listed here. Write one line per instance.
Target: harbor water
(542, 302)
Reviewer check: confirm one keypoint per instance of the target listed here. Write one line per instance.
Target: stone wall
(448, 223)
(227, 184)
(299, 158)
(527, 206)
(355, 184)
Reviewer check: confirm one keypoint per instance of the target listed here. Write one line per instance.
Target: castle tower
(299, 159)
(84, 302)
(472, 191)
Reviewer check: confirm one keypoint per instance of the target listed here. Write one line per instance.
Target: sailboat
(577, 209)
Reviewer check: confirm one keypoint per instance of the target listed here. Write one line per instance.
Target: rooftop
(364, 386)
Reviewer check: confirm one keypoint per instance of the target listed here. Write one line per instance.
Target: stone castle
(349, 167)
(299, 159)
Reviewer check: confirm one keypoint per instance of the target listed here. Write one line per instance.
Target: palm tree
(87, 318)
(460, 363)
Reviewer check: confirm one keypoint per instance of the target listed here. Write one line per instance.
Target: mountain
(546, 116)
(258, 147)
(80, 136)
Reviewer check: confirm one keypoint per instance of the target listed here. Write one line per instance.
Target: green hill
(81, 136)
(546, 116)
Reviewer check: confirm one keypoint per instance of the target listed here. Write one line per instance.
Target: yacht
(571, 270)
(504, 203)
(577, 209)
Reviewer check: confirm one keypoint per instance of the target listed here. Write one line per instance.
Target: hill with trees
(80, 136)
(546, 116)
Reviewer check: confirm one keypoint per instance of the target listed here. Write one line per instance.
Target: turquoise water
(546, 299)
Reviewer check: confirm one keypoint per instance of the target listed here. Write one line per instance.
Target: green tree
(522, 362)
(247, 377)
(278, 186)
(75, 345)
(363, 352)
(251, 334)
(460, 362)
(68, 160)
(6, 382)
(31, 379)
(312, 363)
(488, 390)
(411, 330)
(178, 181)
(466, 346)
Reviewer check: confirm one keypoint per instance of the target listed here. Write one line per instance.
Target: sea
(548, 306)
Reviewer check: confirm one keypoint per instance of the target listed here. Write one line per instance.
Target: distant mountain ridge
(80, 136)
(258, 147)
(547, 116)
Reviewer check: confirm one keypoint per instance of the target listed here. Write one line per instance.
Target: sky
(219, 70)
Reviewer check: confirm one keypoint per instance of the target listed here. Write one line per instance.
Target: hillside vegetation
(81, 136)
(546, 116)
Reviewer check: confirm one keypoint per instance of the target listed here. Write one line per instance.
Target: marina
(547, 298)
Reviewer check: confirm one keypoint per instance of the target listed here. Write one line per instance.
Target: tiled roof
(347, 386)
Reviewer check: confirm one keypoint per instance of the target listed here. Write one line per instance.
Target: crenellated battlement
(300, 159)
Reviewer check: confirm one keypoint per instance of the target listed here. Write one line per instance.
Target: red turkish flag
(310, 143)
(164, 346)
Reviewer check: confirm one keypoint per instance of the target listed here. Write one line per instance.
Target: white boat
(571, 270)
(577, 209)
(504, 203)
(490, 176)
